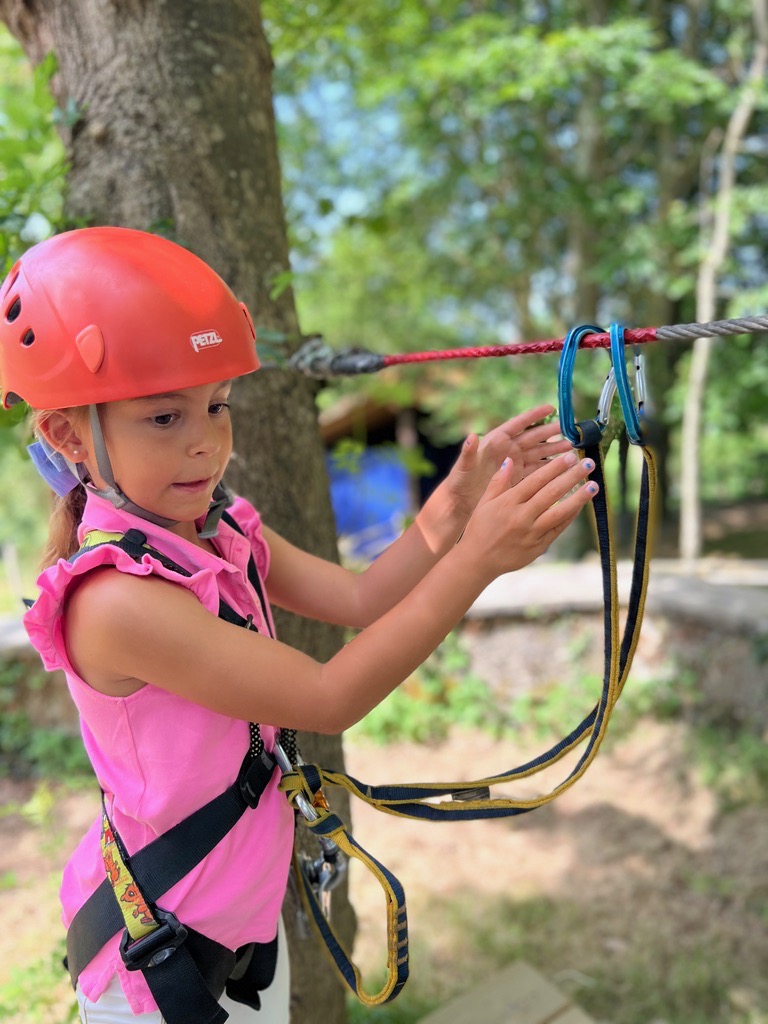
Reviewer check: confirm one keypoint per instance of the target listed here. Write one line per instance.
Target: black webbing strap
(165, 861)
(253, 573)
(288, 739)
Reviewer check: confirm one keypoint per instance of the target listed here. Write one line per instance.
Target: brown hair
(66, 512)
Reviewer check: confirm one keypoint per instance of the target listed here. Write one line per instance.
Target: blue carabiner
(626, 397)
(573, 339)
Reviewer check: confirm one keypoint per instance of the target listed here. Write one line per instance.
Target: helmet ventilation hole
(13, 310)
(29, 337)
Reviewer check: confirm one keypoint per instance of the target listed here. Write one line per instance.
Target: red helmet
(102, 314)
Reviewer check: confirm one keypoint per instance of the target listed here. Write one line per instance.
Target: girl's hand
(523, 439)
(514, 523)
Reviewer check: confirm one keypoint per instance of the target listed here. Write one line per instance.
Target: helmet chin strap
(222, 497)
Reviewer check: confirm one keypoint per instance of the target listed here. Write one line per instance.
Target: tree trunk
(175, 133)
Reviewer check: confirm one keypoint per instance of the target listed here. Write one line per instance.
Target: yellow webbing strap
(418, 799)
(133, 906)
(95, 537)
(136, 913)
(330, 826)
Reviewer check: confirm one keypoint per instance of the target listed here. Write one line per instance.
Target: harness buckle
(254, 779)
(478, 793)
(156, 947)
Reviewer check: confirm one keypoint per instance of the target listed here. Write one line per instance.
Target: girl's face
(168, 452)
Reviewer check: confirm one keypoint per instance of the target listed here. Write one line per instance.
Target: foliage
(346, 454)
(464, 173)
(24, 497)
(25, 748)
(37, 993)
(731, 758)
(733, 762)
(32, 174)
(33, 164)
(553, 711)
(441, 694)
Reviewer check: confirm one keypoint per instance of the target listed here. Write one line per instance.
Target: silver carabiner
(307, 810)
(640, 385)
(608, 393)
(606, 400)
(325, 872)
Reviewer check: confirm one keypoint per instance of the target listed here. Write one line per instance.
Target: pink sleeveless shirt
(158, 757)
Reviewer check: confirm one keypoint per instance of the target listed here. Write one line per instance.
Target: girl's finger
(499, 482)
(525, 420)
(542, 434)
(468, 453)
(556, 488)
(546, 473)
(548, 450)
(555, 520)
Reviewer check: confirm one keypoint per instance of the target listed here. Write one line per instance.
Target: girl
(126, 345)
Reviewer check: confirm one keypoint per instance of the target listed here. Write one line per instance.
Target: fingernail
(592, 488)
(589, 465)
(505, 463)
(570, 458)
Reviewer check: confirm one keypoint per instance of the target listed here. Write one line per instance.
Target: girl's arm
(321, 590)
(122, 631)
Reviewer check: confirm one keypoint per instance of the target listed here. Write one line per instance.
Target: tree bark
(174, 132)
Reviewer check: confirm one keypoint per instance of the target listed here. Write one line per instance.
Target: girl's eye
(218, 408)
(164, 419)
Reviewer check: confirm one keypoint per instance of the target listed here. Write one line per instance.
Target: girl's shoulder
(44, 621)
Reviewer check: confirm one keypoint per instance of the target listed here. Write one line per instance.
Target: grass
(28, 750)
(639, 972)
(686, 948)
(39, 993)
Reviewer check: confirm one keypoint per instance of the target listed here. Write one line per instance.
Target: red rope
(640, 336)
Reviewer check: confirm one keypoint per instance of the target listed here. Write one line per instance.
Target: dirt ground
(635, 863)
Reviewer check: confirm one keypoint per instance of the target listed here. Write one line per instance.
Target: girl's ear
(62, 432)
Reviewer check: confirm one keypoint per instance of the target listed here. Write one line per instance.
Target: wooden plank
(518, 994)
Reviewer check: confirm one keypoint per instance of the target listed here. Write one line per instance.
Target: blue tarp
(371, 500)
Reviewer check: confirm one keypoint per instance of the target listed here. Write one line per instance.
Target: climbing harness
(185, 970)
(472, 800)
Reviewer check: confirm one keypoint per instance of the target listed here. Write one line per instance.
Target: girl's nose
(206, 439)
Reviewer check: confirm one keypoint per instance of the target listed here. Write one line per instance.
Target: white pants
(112, 1007)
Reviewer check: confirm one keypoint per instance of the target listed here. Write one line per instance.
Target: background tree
(716, 229)
(496, 170)
(168, 122)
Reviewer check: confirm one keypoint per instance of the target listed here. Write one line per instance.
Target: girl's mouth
(194, 486)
